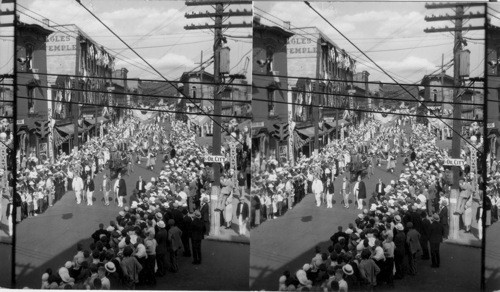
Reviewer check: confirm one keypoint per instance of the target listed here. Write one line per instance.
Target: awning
(298, 141)
(309, 132)
(259, 132)
(333, 123)
(69, 129)
(99, 120)
(59, 140)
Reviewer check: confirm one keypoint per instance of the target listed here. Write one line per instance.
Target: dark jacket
(197, 229)
(436, 232)
(122, 188)
(162, 240)
(243, 212)
(89, 185)
(362, 190)
(205, 213)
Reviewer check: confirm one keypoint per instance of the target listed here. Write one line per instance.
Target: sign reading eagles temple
(57, 43)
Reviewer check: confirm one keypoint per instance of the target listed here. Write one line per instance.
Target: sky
(6, 42)
(392, 34)
(145, 24)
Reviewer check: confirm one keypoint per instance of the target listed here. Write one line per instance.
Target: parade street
(288, 242)
(492, 258)
(70, 224)
(5, 265)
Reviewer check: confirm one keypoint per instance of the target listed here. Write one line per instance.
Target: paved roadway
(492, 258)
(5, 265)
(288, 242)
(50, 239)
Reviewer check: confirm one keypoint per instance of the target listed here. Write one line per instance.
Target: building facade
(81, 73)
(269, 91)
(321, 94)
(32, 109)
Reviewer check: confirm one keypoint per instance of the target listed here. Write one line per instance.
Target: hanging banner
(233, 161)
(3, 156)
(50, 151)
(291, 127)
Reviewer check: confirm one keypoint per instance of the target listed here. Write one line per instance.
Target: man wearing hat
(242, 212)
(120, 189)
(436, 234)
(198, 231)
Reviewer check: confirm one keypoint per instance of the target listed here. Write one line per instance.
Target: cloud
(171, 65)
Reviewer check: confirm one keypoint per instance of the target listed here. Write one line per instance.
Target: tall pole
(457, 123)
(76, 112)
(215, 220)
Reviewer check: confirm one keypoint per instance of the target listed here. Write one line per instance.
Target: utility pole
(457, 108)
(218, 25)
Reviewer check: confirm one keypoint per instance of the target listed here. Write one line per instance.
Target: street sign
(490, 125)
(20, 122)
(454, 162)
(214, 159)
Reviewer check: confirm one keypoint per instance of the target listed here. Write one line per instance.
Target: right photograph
(373, 146)
(492, 245)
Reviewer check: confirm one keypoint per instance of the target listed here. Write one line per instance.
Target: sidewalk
(466, 239)
(230, 235)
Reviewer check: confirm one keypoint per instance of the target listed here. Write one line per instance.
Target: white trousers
(243, 225)
(318, 199)
(329, 198)
(78, 195)
(360, 204)
(89, 198)
(120, 201)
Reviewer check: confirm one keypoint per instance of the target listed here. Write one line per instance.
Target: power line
(363, 110)
(165, 46)
(367, 97)
(158, 72)
(457, 133)
(135, 108)
(137, 94)
(352, 81)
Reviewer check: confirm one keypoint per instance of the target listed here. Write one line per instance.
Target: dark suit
(443, 219)
(197, 235)
(436, 233)
(161, 237)
(243, 210)
(424, 239)
(186, 234)
(205, 217)
(380, 191)
(122, 188)
(142, 189)
(361, 190)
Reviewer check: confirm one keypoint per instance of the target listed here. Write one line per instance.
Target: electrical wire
(363, 110)
(320, 95)
(450, 127)
(137, 94)
(133, 108)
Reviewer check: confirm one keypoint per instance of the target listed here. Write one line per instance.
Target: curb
(241, 240)
(465, 242)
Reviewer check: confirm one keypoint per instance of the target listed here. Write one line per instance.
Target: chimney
(287, 25)
(46, 22)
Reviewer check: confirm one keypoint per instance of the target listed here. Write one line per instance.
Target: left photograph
(7, 198)
(133, 165)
